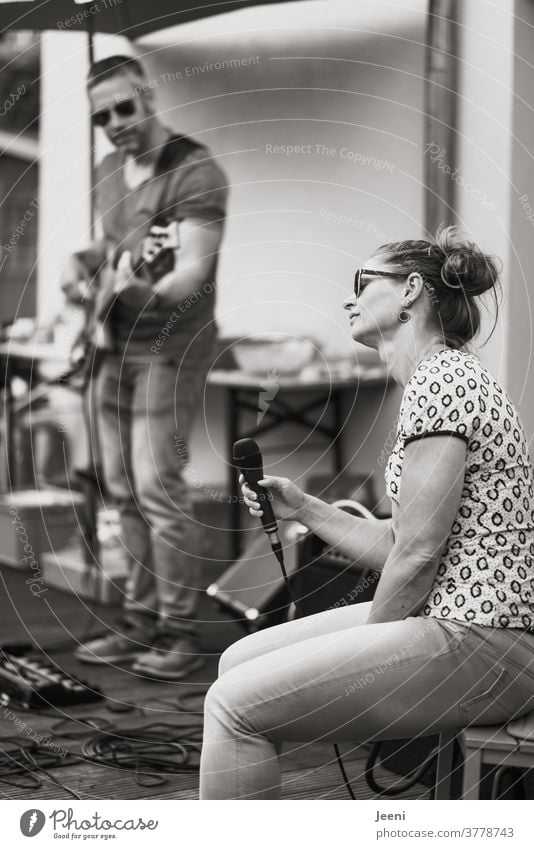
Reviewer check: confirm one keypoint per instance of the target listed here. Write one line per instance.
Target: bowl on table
(283, 353)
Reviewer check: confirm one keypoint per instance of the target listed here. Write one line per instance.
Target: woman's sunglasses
(125, 109)
(361, 272)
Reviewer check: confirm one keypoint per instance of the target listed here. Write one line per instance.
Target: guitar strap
(174, 151)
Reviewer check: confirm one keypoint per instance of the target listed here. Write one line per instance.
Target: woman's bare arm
(366, 541)
(432, 480)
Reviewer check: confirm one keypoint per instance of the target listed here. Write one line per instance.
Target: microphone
(247, 458)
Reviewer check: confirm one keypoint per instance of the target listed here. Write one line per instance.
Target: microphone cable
(373, 759)
(399, 786)
(278, 550)
(248, 459)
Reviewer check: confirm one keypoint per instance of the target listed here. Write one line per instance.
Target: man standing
(150, 384)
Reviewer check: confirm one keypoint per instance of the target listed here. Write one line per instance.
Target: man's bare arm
(196, 257)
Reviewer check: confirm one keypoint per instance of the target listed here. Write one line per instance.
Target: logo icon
(269, 392)
(32, 822)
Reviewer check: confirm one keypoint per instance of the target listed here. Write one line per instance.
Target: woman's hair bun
(465, 267)
(454, 271)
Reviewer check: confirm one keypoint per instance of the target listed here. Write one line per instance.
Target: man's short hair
(113, 66)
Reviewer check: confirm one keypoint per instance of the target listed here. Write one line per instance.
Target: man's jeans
(146, 411)
(333, 678)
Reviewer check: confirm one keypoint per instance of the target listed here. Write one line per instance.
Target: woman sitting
(448, 639)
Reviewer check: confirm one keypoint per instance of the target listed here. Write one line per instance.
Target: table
(253, 393)
(244, 393)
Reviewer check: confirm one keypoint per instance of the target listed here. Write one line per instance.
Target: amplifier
(31, 680)
(253, 588)
(327, 579)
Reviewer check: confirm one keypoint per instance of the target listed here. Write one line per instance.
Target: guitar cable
(89, 532)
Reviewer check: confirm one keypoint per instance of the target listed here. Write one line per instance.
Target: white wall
(336, 91)
(344, 75)
(339, 85)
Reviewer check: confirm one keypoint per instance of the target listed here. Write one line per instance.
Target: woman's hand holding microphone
(287, 498)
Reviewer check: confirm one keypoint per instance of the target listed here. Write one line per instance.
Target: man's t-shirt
(185, 184)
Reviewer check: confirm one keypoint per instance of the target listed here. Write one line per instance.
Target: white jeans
(331, 677)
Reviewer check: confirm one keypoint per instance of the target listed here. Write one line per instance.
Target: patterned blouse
(486, 572)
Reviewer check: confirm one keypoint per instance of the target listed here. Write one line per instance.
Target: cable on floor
(148, 751)
(24, 762)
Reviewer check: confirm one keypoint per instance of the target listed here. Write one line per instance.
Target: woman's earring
(404, 316)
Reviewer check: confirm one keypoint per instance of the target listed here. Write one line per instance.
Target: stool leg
(472, 774)
(442, 789)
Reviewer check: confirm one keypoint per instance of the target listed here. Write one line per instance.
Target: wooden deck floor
(309, 771)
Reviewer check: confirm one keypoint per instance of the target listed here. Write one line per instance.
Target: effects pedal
(31, 680)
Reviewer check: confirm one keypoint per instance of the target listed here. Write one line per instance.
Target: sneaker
(170, 658)
(126, 641)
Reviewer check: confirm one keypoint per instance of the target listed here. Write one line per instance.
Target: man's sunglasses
(358, 287)
(125, 109)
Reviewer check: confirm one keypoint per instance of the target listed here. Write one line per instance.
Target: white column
(64, 178)
(484, 146)
(64, 172)
(521, 250)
